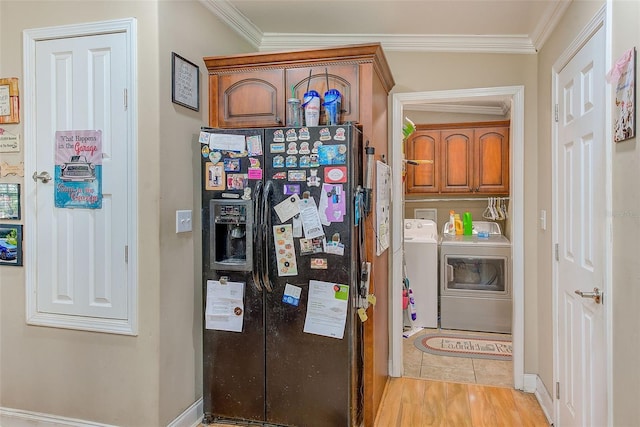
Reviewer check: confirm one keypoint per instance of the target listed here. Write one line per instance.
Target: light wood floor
(411, 402)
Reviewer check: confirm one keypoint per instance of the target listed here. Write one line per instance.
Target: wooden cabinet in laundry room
(468, 158)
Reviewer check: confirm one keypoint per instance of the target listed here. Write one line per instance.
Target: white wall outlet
(183, 221)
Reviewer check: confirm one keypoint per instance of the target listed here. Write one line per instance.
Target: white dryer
(421, 260)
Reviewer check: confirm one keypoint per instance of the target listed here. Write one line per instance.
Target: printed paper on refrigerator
(224, 310)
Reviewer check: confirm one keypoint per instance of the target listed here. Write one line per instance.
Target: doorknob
(596, 295)
(44, 177)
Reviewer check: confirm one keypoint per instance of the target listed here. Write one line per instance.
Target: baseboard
(191, 417)
(18, 418)
(533, 384)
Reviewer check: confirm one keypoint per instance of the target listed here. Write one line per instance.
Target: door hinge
(558, 390)
(557, 252)
(556, 113)
(126, 253)
(126, 100)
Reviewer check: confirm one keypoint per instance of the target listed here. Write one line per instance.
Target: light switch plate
(183, 221)
(543, 219)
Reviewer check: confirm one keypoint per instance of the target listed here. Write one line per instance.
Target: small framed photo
(9, 101)
(185, 82)
(9, 201)
(11, 244)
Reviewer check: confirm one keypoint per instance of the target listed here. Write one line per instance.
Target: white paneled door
(80, 275)
(580, 230)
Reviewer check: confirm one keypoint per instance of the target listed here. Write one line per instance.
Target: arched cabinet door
(343, 77)
(457, 160)
(423, 148)
(248, 99)
(492, 160)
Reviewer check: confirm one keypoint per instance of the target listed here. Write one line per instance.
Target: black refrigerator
(281, 215)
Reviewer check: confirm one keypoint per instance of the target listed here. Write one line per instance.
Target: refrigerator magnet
(313, 161)
(291, 135)
(305, 161)
(254, 163)
(277, 147)
(319, 264)
(235, 155)
(311, 246)
(292, 148)
(325, 135)
(316, 146)
(278, 135)
(334, 248)
(215, 156)
(340, 134)
(304, 148)
(246, 195)
(254, 145)
(335, 174)
(314, 179)
(278, 162)
(254, 173)
(237, 181)
(204, 138)
(215, 177)
(290, 189)
(205, 151)
(291, 295)
(297, 176)
(231, 165)
(291, 162)
(304, 134)
(279, 175)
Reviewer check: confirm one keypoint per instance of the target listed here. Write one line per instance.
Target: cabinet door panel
(341, 77)
(251, 99)
(492, 160)
(457, 160)
(424, 177)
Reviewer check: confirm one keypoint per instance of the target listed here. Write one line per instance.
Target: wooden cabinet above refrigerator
(251, 90)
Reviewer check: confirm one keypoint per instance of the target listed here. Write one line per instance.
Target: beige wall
(149, 379)
(626, 238)
(575, 18)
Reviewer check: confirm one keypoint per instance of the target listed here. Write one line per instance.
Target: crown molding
(548, 23)
(512, 44)
(502, 110)
(403, 42)
(235, 20)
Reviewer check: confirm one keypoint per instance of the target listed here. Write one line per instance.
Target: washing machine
(421, 262)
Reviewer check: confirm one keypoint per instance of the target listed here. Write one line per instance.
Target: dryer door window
(475, 276)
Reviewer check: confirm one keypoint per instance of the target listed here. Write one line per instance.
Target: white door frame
(602, 18)
(516, 94)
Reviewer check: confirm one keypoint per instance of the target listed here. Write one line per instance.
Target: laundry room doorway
(402, 102)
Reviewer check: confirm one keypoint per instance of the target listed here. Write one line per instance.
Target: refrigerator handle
(266, 230)
(257, 196)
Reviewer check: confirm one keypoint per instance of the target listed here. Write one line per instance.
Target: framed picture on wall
(9, 101)
(624, 120)
(185, 82)
(9, 201)
(11, 244)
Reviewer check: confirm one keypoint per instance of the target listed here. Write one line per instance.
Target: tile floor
(418, 364)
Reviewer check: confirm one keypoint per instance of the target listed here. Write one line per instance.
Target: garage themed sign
(78, 175)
